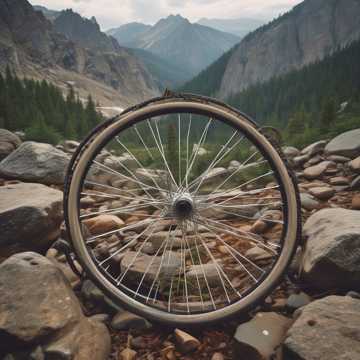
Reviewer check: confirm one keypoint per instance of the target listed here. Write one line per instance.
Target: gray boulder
(8, 143)
(30, 217)
(314, 148)
(325, 329)
(346, 144)
(331, 257)
(36, 162)
(38, 307)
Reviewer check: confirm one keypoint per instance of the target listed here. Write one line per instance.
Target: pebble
(296, 301)
(308, 202)
(339, 180)
(125, 320)
(355, 164)
(103, 223)
(217, 356)
(322, 193)
(355, 203)
(185, 341)
(127, 354)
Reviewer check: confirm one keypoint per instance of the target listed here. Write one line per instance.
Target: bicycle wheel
(195, 215)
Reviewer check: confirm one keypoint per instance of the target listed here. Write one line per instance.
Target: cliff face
(312, 30)
(31, 46)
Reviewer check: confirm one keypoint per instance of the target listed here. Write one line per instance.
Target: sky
(112, 13)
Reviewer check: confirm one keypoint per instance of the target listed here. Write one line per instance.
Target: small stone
(257, 253)
(353, 294)
(125, 320)
(322, 193)
(217, 356)
(290, 151)
(259, 227)
(185, 341)
(314, 148)
(355, 203)
(103, 318)
(355, 183)
(127, 354)
(339, 180)
(296, 301)
(318, 170)
(300, 160)
(168, 353)
(338, 159)
(103, 223)
(355, 164)
(308, 202)
(260, 338)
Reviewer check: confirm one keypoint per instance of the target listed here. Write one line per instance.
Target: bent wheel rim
(201, 297)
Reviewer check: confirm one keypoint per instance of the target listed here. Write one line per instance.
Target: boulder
(30, 217)
(316, 171)
(261, 338)
(8, 143)
(346, 144)
(35, 162)
(331, 258)
(325, 329)
(38, 307)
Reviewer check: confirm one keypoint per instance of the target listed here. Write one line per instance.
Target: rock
(300, 160)
(290, 151)
(338, 159)
(325, 329)
(346, 144)
(355, 203)
(127, 354)
(322, 193)
(260, 338)
(197, 272)
(88, 339)
(353, 294)
(125, 320)
(30, 217)
(316, 171)
(331, 258)
(139, 265)
(35, 162)
(314, 160)
(234, 165)
(70, 146)
(185, 341)
(215, 176)
(339, 181)
(355, 183)
(308, 202)
(355, 164)
(257, 253)
(103, 223)
(217, 356)
(296, 301)
(8, 143)
(51, 309)
(314, 148)
(200, 150)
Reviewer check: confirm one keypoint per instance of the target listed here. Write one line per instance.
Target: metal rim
(126, 297)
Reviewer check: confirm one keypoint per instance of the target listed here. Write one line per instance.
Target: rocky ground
(48, 312)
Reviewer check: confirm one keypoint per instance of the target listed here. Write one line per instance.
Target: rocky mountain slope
(189, 46)
(311, 315)
(127, 33)
(308, 33)
(31, 46)
(239, 27)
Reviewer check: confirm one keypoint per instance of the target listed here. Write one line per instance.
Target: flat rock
(103, 223)
(261, 338)
(296, 301)
(346, 144)
(308, 202)
(331, 258)
(35, 162)
(8, 143)
(355, 184)
(196, 272)
(322, 193)
(314, 148)
(339, 181)
(290, 151)
(316, 171)
(185, 341)
(145, 267)
(338, 159)
(30, 217)
(355, 202)
(325, 329)
(125, 320)
(355, 164)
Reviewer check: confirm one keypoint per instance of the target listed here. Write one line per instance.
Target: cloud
(112, 13)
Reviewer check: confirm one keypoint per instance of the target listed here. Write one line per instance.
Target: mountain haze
(191, 47)
(239, 27)
(128, 33)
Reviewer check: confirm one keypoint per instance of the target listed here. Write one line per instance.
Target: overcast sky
(112, 13)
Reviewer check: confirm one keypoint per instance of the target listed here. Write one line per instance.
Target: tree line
(42, 112)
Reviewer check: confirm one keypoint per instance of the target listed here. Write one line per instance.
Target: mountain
(188, 46)
(85, 32)
(309, 32)
(49, 14)
(240, 27)
(126, 34)
(30, 44)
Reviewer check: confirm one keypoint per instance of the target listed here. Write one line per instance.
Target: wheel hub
(183, 206)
